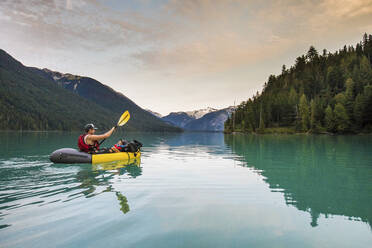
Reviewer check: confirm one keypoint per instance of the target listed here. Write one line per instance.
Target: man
(89, 142)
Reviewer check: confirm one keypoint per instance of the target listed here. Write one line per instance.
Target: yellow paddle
(124, 118)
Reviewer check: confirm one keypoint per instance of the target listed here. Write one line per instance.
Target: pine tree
(304, 112)
(329, 119)
(349, 95)
(365, 41)
(335, 79)
(312, 54)
(367, 111)
(262, 123)
(284, 69)
(358, 110)
(341, 118)
(365, 72)
(332, 89)
(293, 97)
(313, 117)
(340, 98)
(292, 105)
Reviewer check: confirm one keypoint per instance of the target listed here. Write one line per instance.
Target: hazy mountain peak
(154, 113)
(200, 112)
(207, 119)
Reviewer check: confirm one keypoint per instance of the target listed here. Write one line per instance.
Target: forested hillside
(106, 97)
(31, 101)
(321, 92)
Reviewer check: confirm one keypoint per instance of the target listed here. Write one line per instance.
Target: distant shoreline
(291, 131)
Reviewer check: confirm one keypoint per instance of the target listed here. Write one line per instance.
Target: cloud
(188, 36)
(347, 8)
(209, 36)
(69, 24)
(169, 48)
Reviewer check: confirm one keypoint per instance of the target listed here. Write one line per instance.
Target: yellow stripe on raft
(117, 164)
(116, 156)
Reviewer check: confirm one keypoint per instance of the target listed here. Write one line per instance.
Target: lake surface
(190, 190)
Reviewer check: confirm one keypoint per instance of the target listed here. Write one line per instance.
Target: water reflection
(189, 190)
(31, 181)
(317, 174)
(124, 206)
(130, 167)
(103, 174)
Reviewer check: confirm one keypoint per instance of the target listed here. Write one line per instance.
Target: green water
(190, 190)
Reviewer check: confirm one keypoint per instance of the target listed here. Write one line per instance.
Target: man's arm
(101, 136)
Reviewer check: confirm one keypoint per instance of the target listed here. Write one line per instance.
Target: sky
(171, 55)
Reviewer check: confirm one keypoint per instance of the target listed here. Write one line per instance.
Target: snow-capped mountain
(209, 119)
(196, 114)
(178, 119)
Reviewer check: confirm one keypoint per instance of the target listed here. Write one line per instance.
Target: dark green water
(190, 190)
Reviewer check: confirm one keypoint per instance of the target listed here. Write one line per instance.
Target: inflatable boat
(72, 156)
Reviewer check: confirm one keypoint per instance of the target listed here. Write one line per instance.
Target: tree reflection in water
(102, 175)
(123, 202)
(328, 175)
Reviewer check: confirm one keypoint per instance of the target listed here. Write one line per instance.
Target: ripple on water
(283, 190)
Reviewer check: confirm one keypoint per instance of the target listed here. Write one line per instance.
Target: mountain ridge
(41, 99)
(30, 102)
(210, 119)
(106, 97)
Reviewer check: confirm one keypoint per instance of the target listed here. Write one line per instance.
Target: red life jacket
(84, 147)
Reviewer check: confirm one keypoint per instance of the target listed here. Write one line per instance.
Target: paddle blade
(124, 118)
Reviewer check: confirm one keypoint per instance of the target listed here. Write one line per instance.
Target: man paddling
(89, 142)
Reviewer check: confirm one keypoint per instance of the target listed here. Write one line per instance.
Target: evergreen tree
(341, 118)
(349, 96)
(333, 90)
(284, 69)
(304, 112)
(314, 117)
(312, 54)
(367, 111)
(329, 119)
(340, 98)
(262, 123)
(365, 72)
(293, 97)
(358, 110)
(335, 79)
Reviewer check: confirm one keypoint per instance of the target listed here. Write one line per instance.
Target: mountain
(328, 92)
(213, 121)
(107, 98)
(208, 119)
(178, 119)
(34, 99)
(196, 114)
(181, 119)
(154, 113)
(31, 102)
